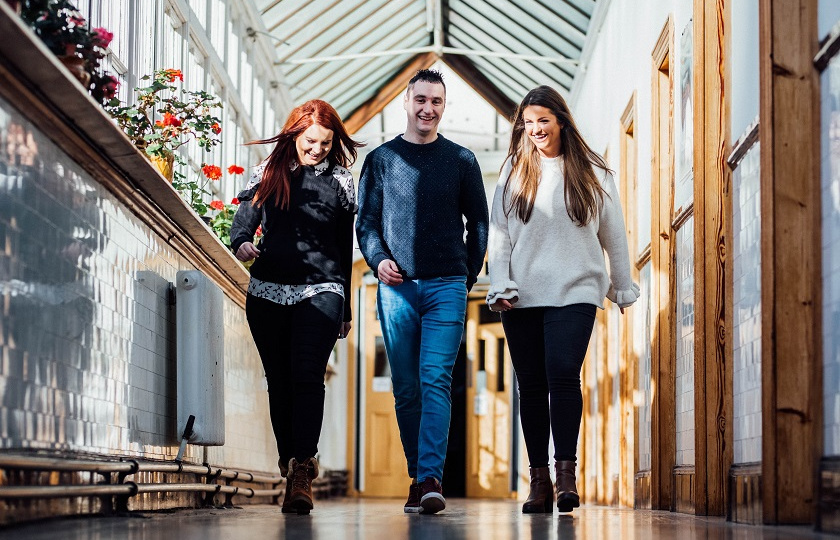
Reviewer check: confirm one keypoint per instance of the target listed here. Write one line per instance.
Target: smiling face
(424, 104)
(543, 128)
(314, 144)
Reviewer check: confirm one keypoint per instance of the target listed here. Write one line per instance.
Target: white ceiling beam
(440, 51)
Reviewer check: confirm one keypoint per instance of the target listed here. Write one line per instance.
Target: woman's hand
(344, 329)
(247, 251)
(501, 305)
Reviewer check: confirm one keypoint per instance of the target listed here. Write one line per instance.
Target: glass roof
(359, 54)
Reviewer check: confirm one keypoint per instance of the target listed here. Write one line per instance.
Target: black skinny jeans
(294, 342)
(547, 348)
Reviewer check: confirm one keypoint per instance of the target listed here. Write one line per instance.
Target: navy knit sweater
(413, 201)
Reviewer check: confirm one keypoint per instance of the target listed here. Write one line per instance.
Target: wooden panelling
(642, 499)
(712, 371)
(684, 489)
(790, 257)
(663, 429)
(828, 509)
(745, 491)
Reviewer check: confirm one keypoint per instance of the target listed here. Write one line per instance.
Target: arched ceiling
(359, 54)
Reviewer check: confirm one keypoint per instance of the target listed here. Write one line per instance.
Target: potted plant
(163, 119)
(60, 25)
(194, 191)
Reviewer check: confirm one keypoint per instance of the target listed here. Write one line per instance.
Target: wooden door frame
(663, 351)
(791, 278)
(628, 361)
(712, 274)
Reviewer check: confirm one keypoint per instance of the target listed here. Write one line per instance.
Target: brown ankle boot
(541, 498)
(567, 495)
(286, 508)
(299, 481)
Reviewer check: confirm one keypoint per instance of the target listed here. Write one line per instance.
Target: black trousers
(294, 343)
(547, 347)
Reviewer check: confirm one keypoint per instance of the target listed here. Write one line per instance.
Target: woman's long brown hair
(276, 180)
(583, 191)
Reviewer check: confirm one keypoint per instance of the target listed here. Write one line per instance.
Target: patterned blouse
(292, 294)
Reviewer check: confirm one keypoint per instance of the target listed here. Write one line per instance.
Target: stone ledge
(36, 84)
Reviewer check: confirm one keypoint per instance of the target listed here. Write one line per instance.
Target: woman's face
(314, 144)
(543, 128)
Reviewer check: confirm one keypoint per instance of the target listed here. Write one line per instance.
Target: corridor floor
(344, 519)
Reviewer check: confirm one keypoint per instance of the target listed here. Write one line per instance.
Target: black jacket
(311, 241)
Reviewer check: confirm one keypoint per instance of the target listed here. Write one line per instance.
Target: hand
(344, 329)
(389, 273)
(501, 305)
(247, 251)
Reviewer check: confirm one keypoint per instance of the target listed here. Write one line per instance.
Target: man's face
(424, 105)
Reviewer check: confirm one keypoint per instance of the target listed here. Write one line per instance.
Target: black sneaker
(412, 505)
(431, 497)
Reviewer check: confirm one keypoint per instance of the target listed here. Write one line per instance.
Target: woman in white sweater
(555, 212)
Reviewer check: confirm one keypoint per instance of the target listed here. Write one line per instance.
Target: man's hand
(247, 251)
(389, 273)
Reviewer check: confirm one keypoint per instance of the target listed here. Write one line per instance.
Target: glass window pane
(830, 157)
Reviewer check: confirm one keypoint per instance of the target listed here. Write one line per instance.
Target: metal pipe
(37, 463)
(126, 468)
(204, 488)
(266, 492)
(53, 492)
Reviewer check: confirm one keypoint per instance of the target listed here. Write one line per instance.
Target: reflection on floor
(344, 519)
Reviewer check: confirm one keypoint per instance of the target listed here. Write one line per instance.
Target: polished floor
(341, 519)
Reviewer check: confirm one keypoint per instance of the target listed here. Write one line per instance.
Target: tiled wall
(87, 342)
(641, 348)
(831, 255)
(746, 334)
(685, 344)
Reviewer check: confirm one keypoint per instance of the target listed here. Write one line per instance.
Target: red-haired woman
(298, 299)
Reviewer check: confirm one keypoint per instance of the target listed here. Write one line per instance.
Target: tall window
(828, 62)
(746, 234)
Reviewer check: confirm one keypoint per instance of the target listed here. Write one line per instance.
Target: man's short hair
(427, 75)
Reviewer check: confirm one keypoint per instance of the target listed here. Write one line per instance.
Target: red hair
(276, 178)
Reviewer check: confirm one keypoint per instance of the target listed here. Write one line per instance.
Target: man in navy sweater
(418, 195)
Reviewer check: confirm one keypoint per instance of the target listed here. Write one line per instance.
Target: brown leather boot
(541, 498)
(300, 480)
(567, 495)
(286, 508)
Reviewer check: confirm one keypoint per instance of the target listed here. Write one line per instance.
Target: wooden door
(489, 411)
(384, 469)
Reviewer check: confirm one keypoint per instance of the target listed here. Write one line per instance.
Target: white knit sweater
(551, 261)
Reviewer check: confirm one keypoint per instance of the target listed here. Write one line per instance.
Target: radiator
(199, 305)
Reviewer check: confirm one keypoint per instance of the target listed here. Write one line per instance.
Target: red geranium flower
(216, 128)
(109, 87)
(213, 172)
(173, 74)
(217, 205)
(234, 201)
(169, 119)
(102, 37)
(235, 169)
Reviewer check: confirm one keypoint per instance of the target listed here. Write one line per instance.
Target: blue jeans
(422, 323)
